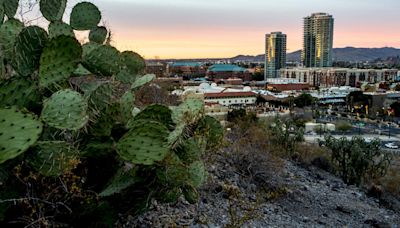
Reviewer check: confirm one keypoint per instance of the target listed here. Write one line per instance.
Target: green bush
(357, 161)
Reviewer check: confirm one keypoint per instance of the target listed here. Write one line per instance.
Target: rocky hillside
(248, 186)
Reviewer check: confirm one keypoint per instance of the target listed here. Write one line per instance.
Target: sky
(226, 28)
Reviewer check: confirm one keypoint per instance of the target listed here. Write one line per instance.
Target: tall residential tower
(275, 54)
(318, 40)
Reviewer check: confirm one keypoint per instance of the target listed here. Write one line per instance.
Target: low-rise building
(158, 69)
(328, 77)
(240, 99)
(225, 71)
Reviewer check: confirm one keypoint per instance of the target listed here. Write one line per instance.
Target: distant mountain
(349, 54)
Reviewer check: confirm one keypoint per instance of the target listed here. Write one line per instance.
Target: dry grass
(391, 181)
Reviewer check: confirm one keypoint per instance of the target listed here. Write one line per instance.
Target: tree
(304, 100)
(356, 160)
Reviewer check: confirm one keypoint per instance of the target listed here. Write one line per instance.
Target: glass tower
(275, 54)
(318, 40)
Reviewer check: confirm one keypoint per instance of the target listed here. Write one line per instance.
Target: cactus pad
(100, 96)
(197, 174)
(98, 35)
(1, 12)
(53, 10)
(145, 143)
(190, 150)
(58, 28)
(121, 181)
(191, 194)
(19, 92)
(170, 195)
(18, 131)
(53, 158)
(10, 8)
(28, 48)
(189, 111)
(8, 34)
(126, 105)
(59, 60)
(212, 130)
(85, 16)
(131, 65)
(65, 109)
(143, 81)
(102, 60)
(157, 113)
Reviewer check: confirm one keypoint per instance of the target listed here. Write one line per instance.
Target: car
(391, 146)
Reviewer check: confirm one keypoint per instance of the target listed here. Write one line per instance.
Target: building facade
(318, 40)
(275, 54)
(231, 99)
(226, 71)
(336, 77)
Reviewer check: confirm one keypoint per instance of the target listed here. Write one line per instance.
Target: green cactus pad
(85, 16)
(131, 65)
(121, 181)
(98, 35)
(170, 195)
(88, 47)
(1, 12)
(100, 96)
(197, 174)
(104, 121)
(65, 109)
(18, 131)
(8, 34)
(28, 48)
(53, 10)
(191, 194)
(143, 81)
(53, 158)
(145, 143)
(59, 60)
(126, 105)
(58, 28)
(190, 150)
(102, 60)
(157, 113)
(19, 92)
(81, 71)
(10, 8)
(177, 135)
(173, 174)
(189, 111)
(212, 130)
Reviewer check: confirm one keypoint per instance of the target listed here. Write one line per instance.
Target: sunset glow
(222, 28)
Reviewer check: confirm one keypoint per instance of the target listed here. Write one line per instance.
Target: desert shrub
(357, 161)
(390, 182)
(311, 154)
(241, 115)
(343, 126)
(286, 134)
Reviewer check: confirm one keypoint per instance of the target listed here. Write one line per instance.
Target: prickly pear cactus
(18, 131)
(53, 158)
(28, 48)
(102, 60)
(85, 16)
(189, 111)
(121, 181)
(58, 28)
(197, 174)
(145, 143)
(19, 92)
(65, 109)
(191, 194)
(53, 10)
(59, 60)
(157, 113)
(98, 35)
(8, 35)
(131, 65)
(139, 82)
(10, 7)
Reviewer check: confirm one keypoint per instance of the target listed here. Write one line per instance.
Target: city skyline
(221, 28)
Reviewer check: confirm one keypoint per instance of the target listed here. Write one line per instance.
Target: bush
(343, 126)
(286, 134)
(357, 161)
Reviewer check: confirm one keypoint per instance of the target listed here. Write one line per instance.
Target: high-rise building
(318, 40)
(275, 54)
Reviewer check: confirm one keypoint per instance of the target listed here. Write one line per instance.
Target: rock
(377, 224)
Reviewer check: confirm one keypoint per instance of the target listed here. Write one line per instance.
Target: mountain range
(348, 54)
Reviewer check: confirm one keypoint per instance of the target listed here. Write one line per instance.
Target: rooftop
(229, 94)
(186, 64)
(226, 67)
